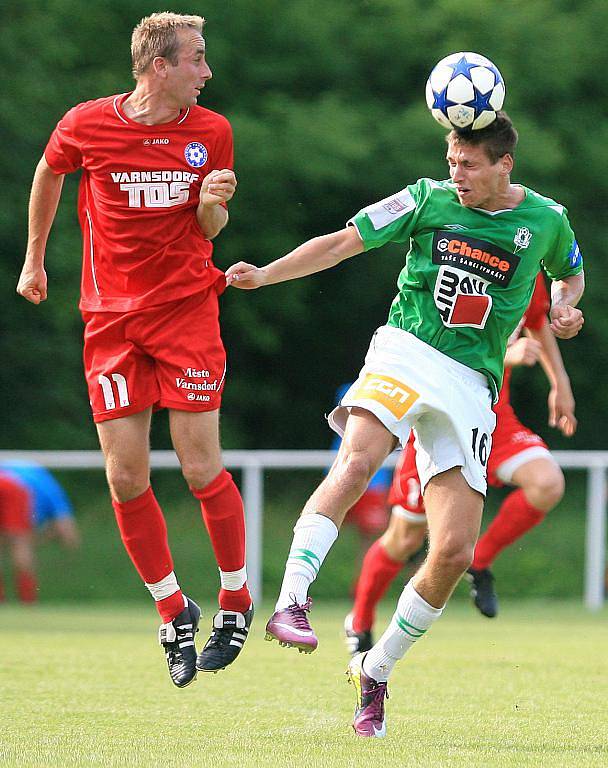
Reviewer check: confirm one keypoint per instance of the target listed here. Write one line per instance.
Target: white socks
(410, 621)
(313, 537)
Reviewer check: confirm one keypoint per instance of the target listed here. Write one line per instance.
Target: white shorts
(408, 384)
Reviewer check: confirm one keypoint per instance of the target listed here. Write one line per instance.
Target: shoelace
(299, 613)
(374, 701)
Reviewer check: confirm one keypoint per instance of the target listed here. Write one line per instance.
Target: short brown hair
(156, 35)
(497, 139)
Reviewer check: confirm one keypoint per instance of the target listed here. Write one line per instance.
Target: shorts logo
(395, 396)
(196, 154)
(461, 299)
(475, 256)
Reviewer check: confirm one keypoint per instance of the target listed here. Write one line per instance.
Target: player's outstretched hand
(218, 187)
(566, 321)
(561, 410)
(32, 284)
(245, 276)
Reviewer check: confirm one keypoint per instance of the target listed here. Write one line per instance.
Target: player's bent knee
(453, 557)
(198, 474)
(548, 489)
(127, 484)
(355, 468)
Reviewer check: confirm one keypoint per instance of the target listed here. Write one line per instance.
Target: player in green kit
(475, 245)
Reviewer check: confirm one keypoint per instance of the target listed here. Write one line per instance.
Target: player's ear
(159, 66)
(506, 164)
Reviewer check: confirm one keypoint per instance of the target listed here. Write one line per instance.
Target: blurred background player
(518, 457)
(369, 516)
(31, 498)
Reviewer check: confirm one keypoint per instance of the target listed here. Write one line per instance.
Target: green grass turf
(87, 687)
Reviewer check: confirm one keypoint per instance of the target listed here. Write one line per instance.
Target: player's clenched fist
(32, 284)
(218, 187)
(246, 276)
(566, 321)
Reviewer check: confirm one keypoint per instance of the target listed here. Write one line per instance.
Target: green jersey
(469, 273)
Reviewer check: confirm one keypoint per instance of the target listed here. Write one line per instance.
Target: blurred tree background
(327, 105)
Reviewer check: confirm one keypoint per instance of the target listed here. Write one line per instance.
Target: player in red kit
(518, 457)
(156, 178)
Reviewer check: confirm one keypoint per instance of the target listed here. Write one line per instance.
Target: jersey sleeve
(63, 152)
(566, 259)
(536, 314)
(391, 220)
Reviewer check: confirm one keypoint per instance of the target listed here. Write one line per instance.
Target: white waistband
(459, 369)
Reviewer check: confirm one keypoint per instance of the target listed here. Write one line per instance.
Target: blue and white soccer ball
(465, 90)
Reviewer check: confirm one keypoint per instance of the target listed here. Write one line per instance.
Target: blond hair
(156, 35)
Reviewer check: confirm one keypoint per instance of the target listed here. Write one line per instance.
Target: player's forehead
(191, 42)
(460, 151)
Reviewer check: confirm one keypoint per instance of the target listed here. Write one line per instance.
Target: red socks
(377, 572)
(144, 534)
(26, 586)
(222, 509)
(515, 516)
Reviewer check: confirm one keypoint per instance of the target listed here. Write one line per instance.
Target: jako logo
(394, 395)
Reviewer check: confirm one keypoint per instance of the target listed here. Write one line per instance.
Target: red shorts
(15, 506)
(167, 356)
(511, 439)
(370, 513)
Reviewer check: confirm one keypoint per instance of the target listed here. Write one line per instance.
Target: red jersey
(533, 318)
(139, 191)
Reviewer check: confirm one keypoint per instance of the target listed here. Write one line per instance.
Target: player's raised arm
(561, 402)
(312, 256)
(44, 199)
(566, 320)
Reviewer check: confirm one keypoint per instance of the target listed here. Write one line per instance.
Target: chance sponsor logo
(476, 256)
(394, 395)
(461, 299)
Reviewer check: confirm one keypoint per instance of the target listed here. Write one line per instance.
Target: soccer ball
(465, 90)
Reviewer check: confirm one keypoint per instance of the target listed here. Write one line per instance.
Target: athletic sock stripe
(299, 551)
(306, 559)
(406, 627)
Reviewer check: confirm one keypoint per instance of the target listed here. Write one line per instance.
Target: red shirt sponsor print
(139, 191)
(467, 267)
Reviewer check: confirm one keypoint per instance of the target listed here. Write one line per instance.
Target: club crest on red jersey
(196, 154)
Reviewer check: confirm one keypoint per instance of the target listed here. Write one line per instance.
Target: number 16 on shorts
(481, 442)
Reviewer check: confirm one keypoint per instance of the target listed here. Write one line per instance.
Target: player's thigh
(542, 480)
(16, 516)
(195, 437)
(366, 443)
(120, 376)
(404, 534)
(125, 443)
(189, 358)
(453, 511)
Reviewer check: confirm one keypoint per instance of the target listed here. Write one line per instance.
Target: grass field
(87, 687)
